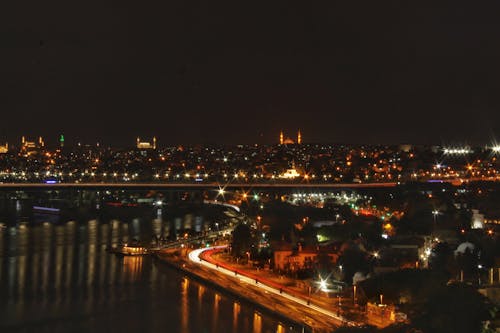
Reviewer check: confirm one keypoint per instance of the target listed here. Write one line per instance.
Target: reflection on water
(185, 306)
(60, 278)
(257, 323)
(215, 311)
(280, 328)
(236, 313)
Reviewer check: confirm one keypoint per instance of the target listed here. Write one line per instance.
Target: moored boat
(130, 250)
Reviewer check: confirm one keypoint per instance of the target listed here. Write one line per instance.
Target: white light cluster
(496, 149)
(457, 151)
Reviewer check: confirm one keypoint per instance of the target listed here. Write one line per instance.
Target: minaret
(61, 141)
(23, 140)
(154, 142)
(299, 138)
(40, 142)
(281, 137)
(138, 140)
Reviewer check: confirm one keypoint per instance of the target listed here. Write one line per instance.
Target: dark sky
(239, 71)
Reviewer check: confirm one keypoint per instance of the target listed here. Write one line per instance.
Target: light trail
(194, 256)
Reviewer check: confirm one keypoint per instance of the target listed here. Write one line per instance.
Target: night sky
(239, 71)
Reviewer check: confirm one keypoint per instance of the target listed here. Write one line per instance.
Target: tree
(467, 262)
(456, 308)
(441, 258)
(242, 240)
(353, 260)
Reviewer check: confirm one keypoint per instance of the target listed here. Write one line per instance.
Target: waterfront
(58, 277)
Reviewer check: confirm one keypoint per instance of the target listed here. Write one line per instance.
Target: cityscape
(247, 167)
(323, 237)
(285, 161)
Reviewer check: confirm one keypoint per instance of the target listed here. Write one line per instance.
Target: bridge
(221, 203)
(190, 186)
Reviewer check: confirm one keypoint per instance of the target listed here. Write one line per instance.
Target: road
(194, 256)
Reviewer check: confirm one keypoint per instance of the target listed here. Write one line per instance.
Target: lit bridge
(193, 186)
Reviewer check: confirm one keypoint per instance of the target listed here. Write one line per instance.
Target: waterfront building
(287, 257)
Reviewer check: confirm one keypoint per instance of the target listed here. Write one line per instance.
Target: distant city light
(457, 151)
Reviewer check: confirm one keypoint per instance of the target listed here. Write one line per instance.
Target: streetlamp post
(354, 293)
(435, 213)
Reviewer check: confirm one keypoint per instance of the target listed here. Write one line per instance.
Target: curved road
(194, 256)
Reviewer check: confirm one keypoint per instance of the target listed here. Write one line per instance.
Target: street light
(354, 293)
(322, 285)
(435, 213)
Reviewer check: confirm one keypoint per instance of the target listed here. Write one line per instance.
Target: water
(58, 277)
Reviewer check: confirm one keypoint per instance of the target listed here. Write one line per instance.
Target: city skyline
(283, 137)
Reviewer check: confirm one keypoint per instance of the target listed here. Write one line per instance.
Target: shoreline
(184, 266)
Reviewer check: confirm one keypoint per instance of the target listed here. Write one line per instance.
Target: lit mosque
(145, 144)
(289, 141)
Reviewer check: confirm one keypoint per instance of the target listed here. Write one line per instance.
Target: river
(58, 277)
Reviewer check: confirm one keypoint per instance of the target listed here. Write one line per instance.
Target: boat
(130, 250)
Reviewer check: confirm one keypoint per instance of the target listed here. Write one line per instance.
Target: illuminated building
(290, 173)
(31, 146)
(4, 149)
(477, 220)
(146, 145)
(289, 141)
(295, 259)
